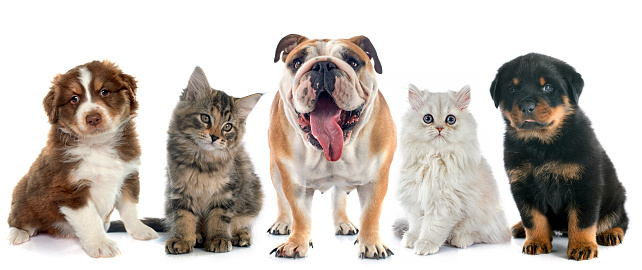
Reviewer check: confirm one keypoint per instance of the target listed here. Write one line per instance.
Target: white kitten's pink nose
(440, 129)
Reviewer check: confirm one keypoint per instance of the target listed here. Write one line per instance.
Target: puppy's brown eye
(227, 127)
(547, 88)
(353, 62)
(104, 93)
(205, 118)
(74, 100)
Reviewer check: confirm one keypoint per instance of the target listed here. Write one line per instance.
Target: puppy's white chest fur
(101, 167)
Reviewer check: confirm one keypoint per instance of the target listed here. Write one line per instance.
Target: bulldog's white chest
(101, 167)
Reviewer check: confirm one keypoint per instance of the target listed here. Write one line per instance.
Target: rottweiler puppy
(560, 176)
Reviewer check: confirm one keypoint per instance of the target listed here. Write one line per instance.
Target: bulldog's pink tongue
(324, 124)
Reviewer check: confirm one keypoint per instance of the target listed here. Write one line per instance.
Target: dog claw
(363, 255)
(273, 251)
(390, 252)
(311, 245)
(356, 242)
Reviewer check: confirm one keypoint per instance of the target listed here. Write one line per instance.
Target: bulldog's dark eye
(74, 100)
(296, 63)
(428, 119)
(205, 118)
(450, 119)
(227, 127)
(547, 88)
(104, 93)
(353, 62)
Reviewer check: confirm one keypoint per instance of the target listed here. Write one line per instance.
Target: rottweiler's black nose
(527, 107)
(324, 66)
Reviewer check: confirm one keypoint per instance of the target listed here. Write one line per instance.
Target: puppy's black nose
(527, 107)
(94, 119)
(324, 66)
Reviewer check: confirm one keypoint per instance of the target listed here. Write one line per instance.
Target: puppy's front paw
(179, 246)
(17, 236)
(611, 237)
(279, 228)
(292, 249)
(536, 248)
(105, 248)
(143, 232)
(218, 245)
(584, 251)
(373, 249)
(426, 247)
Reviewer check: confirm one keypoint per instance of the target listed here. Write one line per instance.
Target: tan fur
(555, 116)
(538, 239)
(581, 241)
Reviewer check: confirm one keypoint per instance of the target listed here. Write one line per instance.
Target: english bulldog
(330, 127)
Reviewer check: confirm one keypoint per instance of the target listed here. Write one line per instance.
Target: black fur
(596, 192)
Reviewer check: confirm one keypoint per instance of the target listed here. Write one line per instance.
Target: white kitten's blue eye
(450, 119)
(428, 119)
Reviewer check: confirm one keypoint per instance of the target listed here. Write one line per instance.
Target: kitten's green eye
(450, 119)
(227, 127)
(205, 118)
(428, 119)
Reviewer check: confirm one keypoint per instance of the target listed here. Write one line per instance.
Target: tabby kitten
(213, 194)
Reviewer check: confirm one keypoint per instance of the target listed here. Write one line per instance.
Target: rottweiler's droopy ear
(574, 81)
(494, 92)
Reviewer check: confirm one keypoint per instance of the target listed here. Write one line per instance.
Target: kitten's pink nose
(440, 129)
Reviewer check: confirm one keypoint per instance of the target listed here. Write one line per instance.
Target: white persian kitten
(447, 188)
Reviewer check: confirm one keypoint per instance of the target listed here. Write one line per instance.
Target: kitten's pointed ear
(197, 85)
(415, 97)
(463, 98)
(245, 105)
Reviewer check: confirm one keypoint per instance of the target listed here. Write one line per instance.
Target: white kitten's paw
(104, 248)
(425, 247)
(17, 236)
(279, 228)
(346, 228)
(462, 240)
(409, 239)
(142, 232)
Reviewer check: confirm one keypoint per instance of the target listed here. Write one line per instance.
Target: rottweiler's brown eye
(547, 88)
(227, 127)
(74, 100)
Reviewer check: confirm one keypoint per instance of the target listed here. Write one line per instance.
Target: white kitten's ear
(463, 98)
(415, 97)
(245, 105)
(197, 85)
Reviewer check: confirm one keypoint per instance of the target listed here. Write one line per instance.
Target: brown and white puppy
(330, 127)
(89, 164)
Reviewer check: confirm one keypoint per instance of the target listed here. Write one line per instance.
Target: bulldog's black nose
(324, 66)
(527, 107)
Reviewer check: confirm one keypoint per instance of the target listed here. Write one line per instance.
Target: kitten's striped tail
(400, 227)
(158, 224)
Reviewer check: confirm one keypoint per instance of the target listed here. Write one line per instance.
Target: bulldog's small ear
(365, 44)
(286, 45)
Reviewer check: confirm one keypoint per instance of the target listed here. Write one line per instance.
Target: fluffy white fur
(446, 186)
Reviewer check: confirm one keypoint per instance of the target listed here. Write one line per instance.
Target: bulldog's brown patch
(539, 237)
(582, 243)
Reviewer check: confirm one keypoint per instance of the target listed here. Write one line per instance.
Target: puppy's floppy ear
(49, 102)
(365, 44)
(130, 84)
(574, 81)
(494, 92)
(286, 45)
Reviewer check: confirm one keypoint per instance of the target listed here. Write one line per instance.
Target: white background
(435, 45)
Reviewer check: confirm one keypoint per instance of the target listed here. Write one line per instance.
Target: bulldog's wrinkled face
(328, 87)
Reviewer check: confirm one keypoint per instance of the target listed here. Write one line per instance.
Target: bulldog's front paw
(279, 228)
(292, 249)
(373, 249)
(104, 248)
(346, 228)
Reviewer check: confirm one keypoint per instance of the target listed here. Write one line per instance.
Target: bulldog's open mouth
(328, 126)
